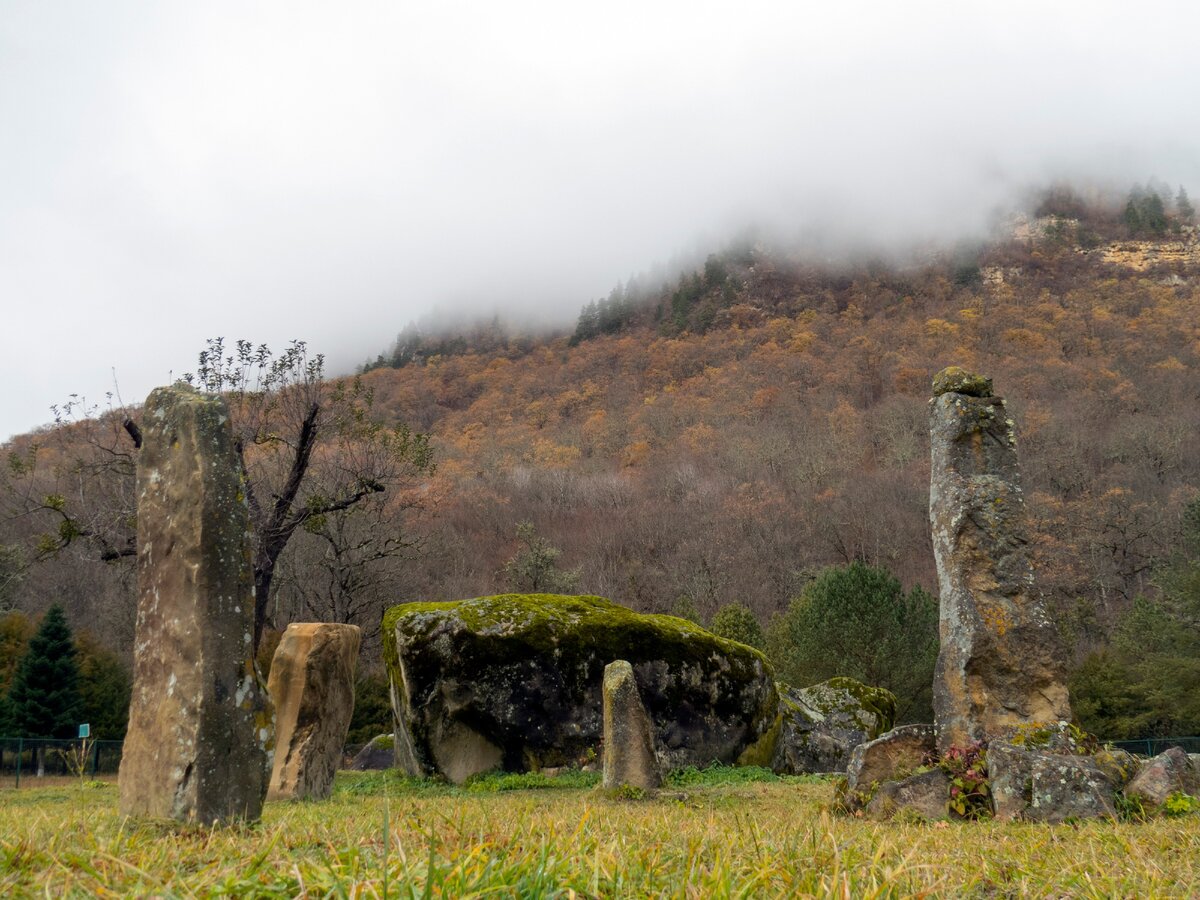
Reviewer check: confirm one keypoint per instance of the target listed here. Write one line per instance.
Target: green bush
(857, 621)
(736, 622)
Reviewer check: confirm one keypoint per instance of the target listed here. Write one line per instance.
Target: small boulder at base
(890, 756)
(1068, 787)
(629, 758)
(925, 795)
(1161, 776)
(821, 725)
(514, 682)
(378, 753)
(312, 687)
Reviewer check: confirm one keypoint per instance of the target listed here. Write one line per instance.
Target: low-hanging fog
(332, 171)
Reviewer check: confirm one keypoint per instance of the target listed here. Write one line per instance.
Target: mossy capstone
(514, 682)
(957, 380)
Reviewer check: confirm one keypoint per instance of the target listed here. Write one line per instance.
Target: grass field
(717, 834)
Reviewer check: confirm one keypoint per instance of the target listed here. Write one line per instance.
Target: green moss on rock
(956, 380)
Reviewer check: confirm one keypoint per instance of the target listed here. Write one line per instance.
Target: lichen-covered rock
(999, 663)
(957, 380)
(925, 795)
(1068, 787)
(889, 757)
(377, 753)
(200, 729)
(1010, 774)
(1159, 777)
(1043, 785)
(629, 757)
(312, 687)
(820, 725)
(514, 681)
(1119, 766)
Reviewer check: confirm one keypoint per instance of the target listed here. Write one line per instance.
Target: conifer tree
(44, 697)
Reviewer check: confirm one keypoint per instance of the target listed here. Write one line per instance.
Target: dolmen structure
(1002, 742)
(198, 745)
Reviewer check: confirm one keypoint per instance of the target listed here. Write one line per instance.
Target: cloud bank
(303, 170)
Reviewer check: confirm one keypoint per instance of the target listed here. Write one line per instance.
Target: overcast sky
(176, 171)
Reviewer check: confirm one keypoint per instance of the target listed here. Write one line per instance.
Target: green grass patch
(738, 834)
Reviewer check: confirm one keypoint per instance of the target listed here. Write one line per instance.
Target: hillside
(766, 417)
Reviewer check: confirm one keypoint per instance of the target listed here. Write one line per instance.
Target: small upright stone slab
(999, 664)
(312, 688)
(629, 757)
(890, 756)
(200, 729)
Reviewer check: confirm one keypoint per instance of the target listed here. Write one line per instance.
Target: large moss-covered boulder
(514, 682)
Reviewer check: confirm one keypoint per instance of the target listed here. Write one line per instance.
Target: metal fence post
(20, 750)
(95, 757)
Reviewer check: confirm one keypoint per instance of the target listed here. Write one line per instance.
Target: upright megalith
(200, 730)
(629, 757)
(312, 689)
(999, 665)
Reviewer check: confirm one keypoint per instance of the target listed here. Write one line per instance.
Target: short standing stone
(999, 664)
(1168, 772)
(198, 744)
(629, 757)
(312, 687)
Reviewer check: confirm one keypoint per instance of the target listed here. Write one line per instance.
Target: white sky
(176, 171)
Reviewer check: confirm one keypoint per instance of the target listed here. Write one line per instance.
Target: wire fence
(32, 762)
(1155, 746)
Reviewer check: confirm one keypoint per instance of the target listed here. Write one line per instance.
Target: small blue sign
(85, 730)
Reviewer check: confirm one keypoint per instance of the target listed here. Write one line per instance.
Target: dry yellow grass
(762, 839)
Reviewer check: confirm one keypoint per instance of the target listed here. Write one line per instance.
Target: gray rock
(629, 757)
(925, 795)
(999, 663)
(200, 724)
(1010, 779)
(1168, 772)
(514, 682)
(821, 725)
(312, 687)
(1068, 787)
(1045, 786)
(890, 756)
(378, 753)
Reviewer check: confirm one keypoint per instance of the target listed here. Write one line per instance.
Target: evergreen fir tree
(44, 696)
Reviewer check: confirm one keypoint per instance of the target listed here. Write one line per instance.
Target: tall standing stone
(629, 757)
(312, 688)
(999, 664)
(200, 729)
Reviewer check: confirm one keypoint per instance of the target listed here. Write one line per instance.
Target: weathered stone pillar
(999, 664)
(312, 688)
(629, 757)
(200, 729)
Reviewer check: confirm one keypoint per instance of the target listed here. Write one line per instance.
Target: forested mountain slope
(733, 433)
